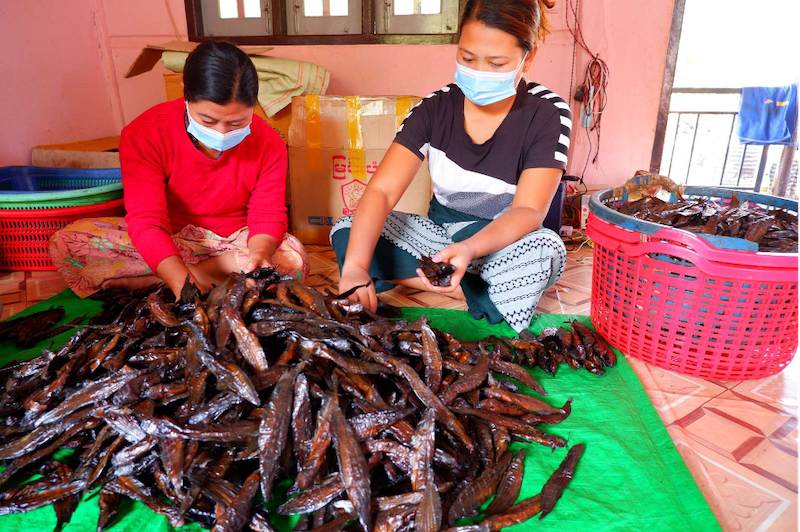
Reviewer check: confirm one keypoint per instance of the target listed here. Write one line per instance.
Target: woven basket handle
(708, 267)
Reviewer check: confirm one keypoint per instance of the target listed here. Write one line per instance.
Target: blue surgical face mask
(486, 88)
(212, 138)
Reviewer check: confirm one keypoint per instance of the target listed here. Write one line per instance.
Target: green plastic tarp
(630, 478)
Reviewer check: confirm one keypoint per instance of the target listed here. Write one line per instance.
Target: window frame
(233, 22)
(384, 20)
(304, 23)
(194, 21)
(666, 85)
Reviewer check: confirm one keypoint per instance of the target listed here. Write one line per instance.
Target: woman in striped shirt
(496, 147)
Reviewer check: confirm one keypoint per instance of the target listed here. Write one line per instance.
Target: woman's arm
(394, 175)
(173, 272)
(535, 192)
(144, 185)
(266, 210)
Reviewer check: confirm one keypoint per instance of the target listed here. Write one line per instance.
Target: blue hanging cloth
(768, 115)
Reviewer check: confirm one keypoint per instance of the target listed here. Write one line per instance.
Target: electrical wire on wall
(593, 97)
(592, 93)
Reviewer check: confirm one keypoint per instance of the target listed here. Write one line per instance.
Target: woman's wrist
(260, 251)
(264, 245)
(173, 272)
(468, 247)
(351, 266)
(177, 279)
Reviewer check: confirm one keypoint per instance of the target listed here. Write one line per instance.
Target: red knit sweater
(168, 183)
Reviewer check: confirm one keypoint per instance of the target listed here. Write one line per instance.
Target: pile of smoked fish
(32, 329)
(198, 408)
(578, 347)
(773, 231)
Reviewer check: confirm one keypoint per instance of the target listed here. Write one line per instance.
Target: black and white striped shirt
(481, 179)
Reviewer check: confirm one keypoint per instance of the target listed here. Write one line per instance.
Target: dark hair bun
(524, 19)
(220, 72)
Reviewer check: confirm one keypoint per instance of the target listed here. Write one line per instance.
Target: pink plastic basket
(675, 301)
(25, 234)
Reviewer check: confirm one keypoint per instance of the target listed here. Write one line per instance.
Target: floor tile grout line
(690, 418)
(722, 384)
(737, 421)
(697, 443)
(772, 477)
(718, 498)
(783, 448)
(748, 445)
(784, 430)
(768, 406)
(700, 406)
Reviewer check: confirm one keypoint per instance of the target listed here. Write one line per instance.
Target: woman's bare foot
(131, 283)
(416, 284)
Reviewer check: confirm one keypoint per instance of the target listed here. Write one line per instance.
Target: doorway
(716, 48)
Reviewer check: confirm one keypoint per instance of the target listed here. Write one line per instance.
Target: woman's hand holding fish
(352, 277)
(257, 260)
(173, 272)
(459, 255)
(262, 247)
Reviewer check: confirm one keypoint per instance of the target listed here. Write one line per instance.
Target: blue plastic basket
(600, 203)
(33, 187)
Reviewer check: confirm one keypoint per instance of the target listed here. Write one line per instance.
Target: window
(416, 16)
(695, 141)
(324, 21)
(236, 17)
(323, 17)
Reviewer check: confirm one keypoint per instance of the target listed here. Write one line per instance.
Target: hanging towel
(768, 115)
(278, 78)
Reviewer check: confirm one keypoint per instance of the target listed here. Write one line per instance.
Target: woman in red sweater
(204, 185)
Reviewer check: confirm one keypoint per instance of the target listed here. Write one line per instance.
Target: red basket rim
(60, 211)
(759, 259)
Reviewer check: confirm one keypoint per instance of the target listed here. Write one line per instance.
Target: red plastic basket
(675, 301)
(25, 234)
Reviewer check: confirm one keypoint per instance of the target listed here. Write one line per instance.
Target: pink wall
(131, 26)
(54, 84)
(380, 70)
(630, 35)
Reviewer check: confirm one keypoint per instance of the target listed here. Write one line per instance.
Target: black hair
(220, 72)
(524, 19)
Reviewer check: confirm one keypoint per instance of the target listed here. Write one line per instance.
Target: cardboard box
(280, 122)
(99, 153)
(335, 145)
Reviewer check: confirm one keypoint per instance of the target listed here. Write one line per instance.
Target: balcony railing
(701, 146)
